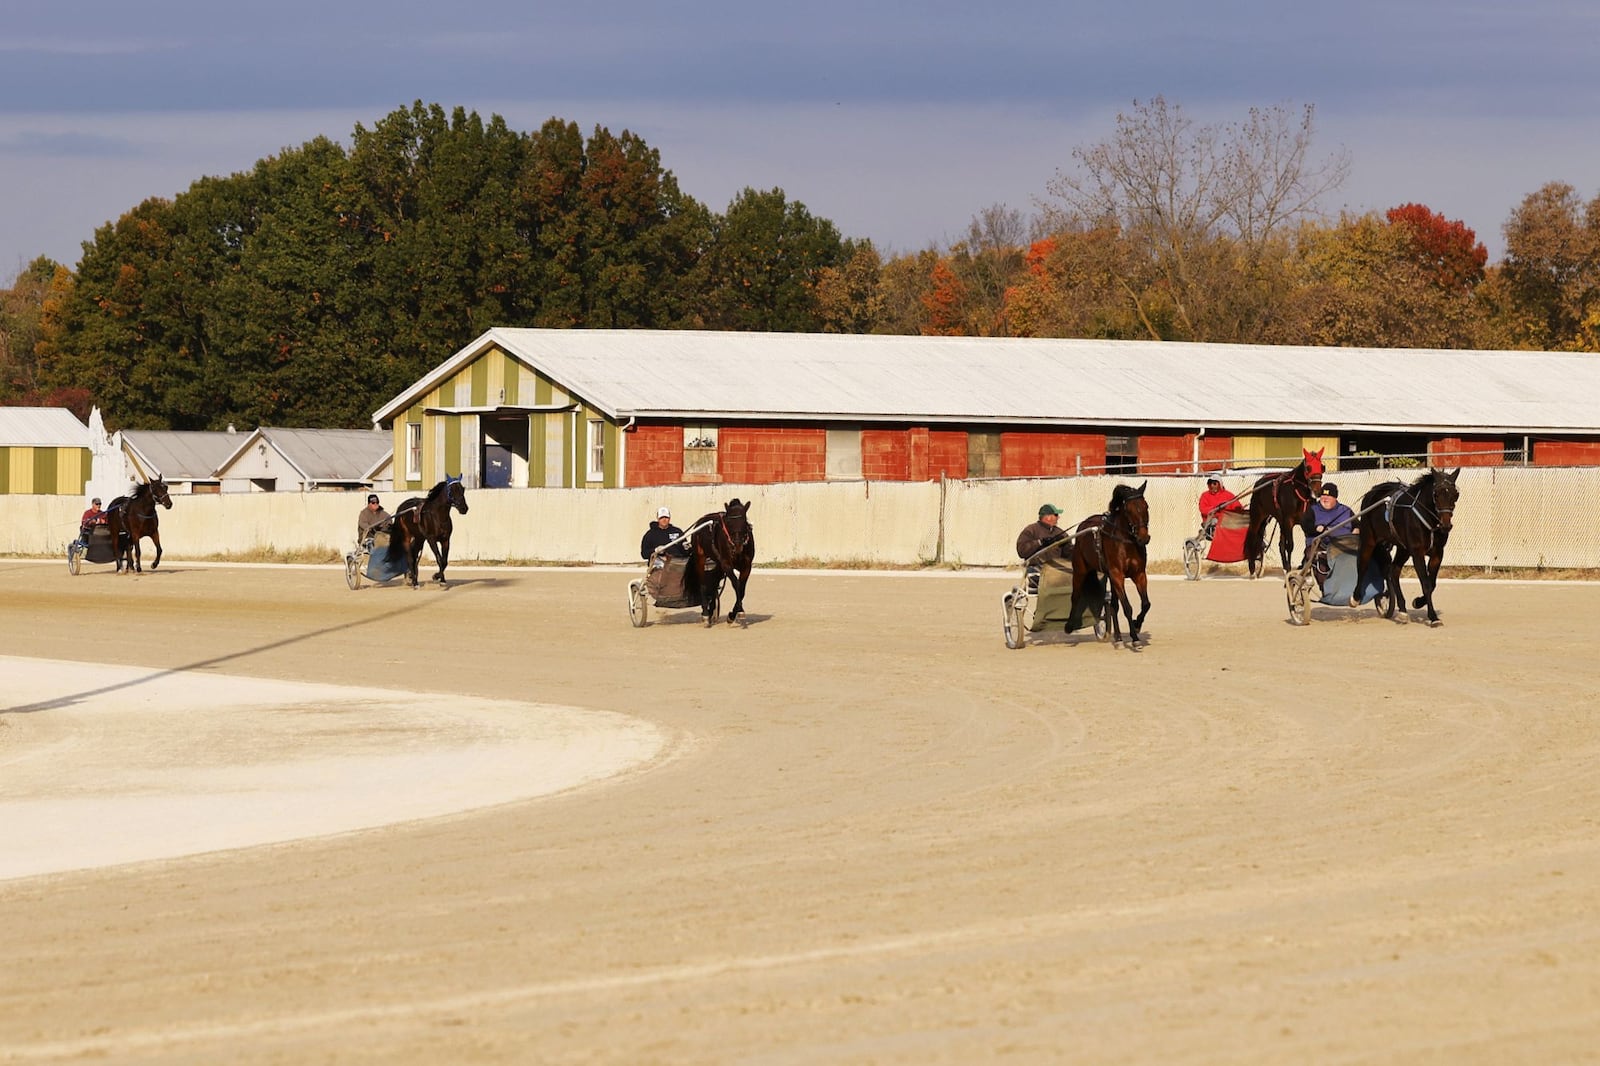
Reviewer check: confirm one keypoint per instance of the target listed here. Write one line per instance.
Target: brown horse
(1284, 497)
(1416, 519)
(425, 520)
(721, 546)
(1111, 547)
(132, 518)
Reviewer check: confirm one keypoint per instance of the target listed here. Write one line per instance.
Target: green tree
(763, 264)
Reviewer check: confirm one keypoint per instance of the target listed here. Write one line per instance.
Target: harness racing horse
(1416, 520)
(132, 518)
(1285, 497)
(425, 520)
(1112, 547)
(723, 545)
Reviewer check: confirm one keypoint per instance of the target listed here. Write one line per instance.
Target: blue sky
(898, 122)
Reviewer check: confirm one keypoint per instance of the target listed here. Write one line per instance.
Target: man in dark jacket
(1042, 532)
(660, 533)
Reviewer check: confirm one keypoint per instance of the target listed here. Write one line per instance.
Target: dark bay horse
(426, 520)
(1114, 546)
(132, 518)
(723, 546)
(1415, 520)
(1284, 497)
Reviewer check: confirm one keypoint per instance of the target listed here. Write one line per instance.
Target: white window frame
(596, 450)
(413, 451)
(699, 435)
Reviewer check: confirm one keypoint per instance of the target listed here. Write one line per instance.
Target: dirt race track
(871, 833)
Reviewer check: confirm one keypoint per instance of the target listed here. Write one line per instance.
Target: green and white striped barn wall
(557, 441)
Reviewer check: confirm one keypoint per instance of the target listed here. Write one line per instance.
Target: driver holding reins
(372, 519)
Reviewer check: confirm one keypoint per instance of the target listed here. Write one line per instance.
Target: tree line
(311, 289)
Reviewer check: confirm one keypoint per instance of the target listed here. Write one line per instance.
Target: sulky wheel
(352, 571)
(638, 606)
(1102, 627)
(1191, 560)
(1297, 590)
(74, 558)
(1012, 608)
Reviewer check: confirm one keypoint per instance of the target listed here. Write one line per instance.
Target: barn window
(1122, 454)
(413, 451)
(699, 435)
(597, 449)
(699, 450)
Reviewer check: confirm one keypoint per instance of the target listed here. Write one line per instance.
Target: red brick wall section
(886, 454)
(655, 456)
(947, 454)
(1043, 454)
(1480, 452)
(762, 455)
(1165, 454)
(1215, 453)
(1566, 453)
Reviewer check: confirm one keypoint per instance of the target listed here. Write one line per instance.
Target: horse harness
(1415, 507)
(1104, 531)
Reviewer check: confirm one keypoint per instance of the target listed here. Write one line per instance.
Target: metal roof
(686, 374)
(324, 455)
(181, 455)
(41, 427)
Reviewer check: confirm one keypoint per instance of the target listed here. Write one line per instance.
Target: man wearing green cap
(1042, 532)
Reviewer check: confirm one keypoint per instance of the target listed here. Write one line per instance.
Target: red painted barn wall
(947, 454)
(1045, 454)
(886, 454)
(655, 456)
(1479, 452)
(761, 455)
(1566, 453)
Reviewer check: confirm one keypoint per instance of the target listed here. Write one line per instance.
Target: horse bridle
(154, 502)
(736, 545)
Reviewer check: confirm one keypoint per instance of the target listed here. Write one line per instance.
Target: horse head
(159, 493)
(1130, 507)
(736, 524)
(1445, 494)
(1312, 461)
(456, 493)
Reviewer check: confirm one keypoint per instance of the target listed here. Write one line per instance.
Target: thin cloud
(34, 144)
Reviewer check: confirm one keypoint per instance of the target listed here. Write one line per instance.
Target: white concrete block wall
(1508, 517)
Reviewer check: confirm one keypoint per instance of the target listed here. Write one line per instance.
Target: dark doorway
(505, 451)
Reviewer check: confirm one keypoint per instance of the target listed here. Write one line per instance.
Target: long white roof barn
(684, 373)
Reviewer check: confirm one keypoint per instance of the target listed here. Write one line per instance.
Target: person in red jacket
(1214, 501)
(91, 518)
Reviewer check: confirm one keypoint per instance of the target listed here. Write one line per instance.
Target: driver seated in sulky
(372, 519)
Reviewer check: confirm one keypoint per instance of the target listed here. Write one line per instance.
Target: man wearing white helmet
(660, 533)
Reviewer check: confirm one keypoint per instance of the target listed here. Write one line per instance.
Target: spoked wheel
(1381, 602)
(1191, 560)
(1014, 609)
(638, 606)
(1102, 628)
(1297, 590)
(74, 558)
(352, 571)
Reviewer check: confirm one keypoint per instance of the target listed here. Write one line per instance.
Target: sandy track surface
(131, 764)
(885, 837)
